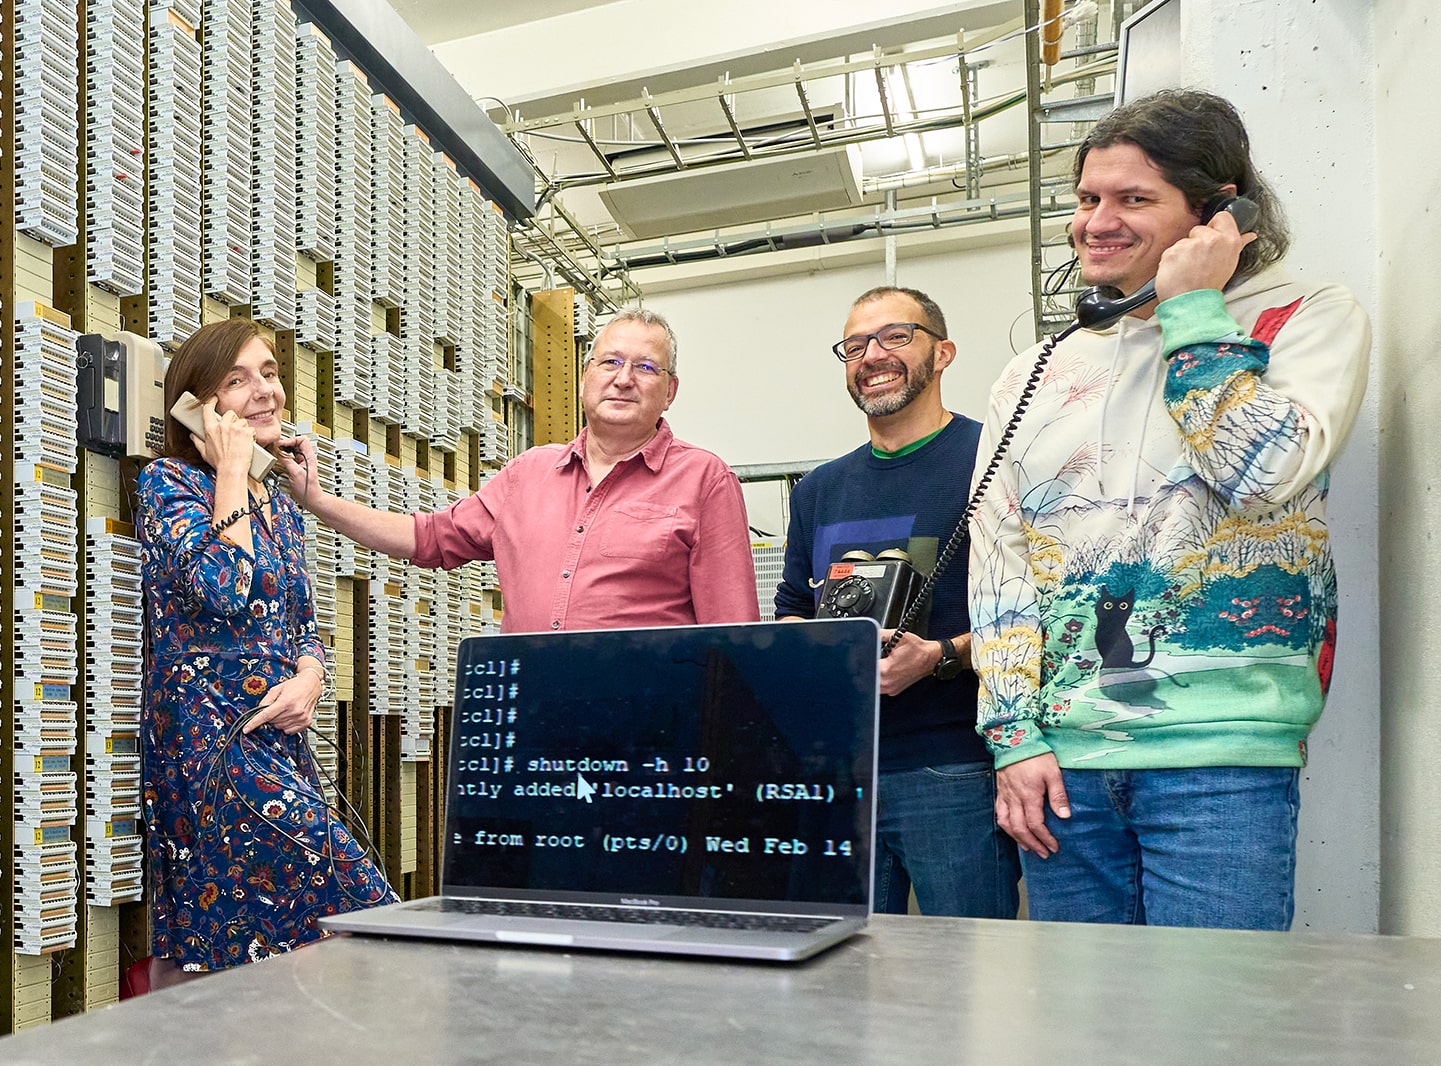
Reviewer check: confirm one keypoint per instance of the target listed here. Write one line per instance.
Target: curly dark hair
(1199, 143)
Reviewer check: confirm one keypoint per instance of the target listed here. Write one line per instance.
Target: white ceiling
(609, 52)
(435, 21)
(542, 56)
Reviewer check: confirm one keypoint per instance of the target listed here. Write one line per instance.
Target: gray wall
(1302, 75)
(1407, 196)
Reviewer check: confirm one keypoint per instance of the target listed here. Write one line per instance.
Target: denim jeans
(1210, 847)
(936, 829)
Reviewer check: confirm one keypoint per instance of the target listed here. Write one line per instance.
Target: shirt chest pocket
(639, 530)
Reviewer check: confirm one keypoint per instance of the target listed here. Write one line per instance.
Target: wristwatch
(950, 665)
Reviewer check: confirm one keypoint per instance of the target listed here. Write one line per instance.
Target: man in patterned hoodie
(1152, 588)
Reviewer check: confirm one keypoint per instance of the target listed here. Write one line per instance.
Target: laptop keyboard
(786, 923)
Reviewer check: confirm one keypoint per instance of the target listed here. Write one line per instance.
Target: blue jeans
(1211, 847)
(936, 829)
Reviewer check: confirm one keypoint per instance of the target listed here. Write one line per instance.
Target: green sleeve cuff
(1015, 742)
(1195, 317)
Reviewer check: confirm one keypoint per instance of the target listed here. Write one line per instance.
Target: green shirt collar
(915, 445)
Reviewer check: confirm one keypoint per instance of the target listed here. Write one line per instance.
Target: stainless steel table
(911, 990)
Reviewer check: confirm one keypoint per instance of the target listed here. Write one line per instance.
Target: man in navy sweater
(906, 488)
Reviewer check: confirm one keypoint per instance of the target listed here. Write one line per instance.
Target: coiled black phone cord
(962, 534)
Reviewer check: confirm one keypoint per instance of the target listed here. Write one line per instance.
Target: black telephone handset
(1100, 306)
(1097, 307)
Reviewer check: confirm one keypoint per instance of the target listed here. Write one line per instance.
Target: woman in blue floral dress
(244, 855)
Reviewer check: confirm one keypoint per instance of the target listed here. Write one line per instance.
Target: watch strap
(949, 664)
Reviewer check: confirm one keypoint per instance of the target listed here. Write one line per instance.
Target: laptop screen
(728, 762)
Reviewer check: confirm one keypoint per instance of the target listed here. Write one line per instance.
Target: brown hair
(1199, 143)
(930, 310)
(198, 368)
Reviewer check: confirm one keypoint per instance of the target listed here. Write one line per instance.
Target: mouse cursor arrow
(583, 788)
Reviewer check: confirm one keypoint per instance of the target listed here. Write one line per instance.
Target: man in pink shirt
(623, 526)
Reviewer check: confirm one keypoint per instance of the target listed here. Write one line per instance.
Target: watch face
(947, 669)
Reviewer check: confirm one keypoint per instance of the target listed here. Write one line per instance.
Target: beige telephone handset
(189, 413)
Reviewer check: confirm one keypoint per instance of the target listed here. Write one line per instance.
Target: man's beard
(891, 402)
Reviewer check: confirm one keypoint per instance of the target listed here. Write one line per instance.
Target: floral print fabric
(244, 856)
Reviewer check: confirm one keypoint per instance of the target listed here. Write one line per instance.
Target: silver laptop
(704, 790)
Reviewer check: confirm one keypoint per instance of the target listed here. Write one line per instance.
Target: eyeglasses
(896, 335)
(646, 368)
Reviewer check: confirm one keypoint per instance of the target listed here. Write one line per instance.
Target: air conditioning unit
(756, 191)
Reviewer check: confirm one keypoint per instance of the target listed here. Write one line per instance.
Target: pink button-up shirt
(663, 540)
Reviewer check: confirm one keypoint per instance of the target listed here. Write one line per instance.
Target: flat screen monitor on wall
(1150, 51)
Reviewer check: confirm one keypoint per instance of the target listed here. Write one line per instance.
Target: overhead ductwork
(757, 191)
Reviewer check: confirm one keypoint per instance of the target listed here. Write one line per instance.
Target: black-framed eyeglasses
(896, 335)
(647, 368)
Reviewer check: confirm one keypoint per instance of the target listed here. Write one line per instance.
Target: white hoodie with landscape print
(1151, 577)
